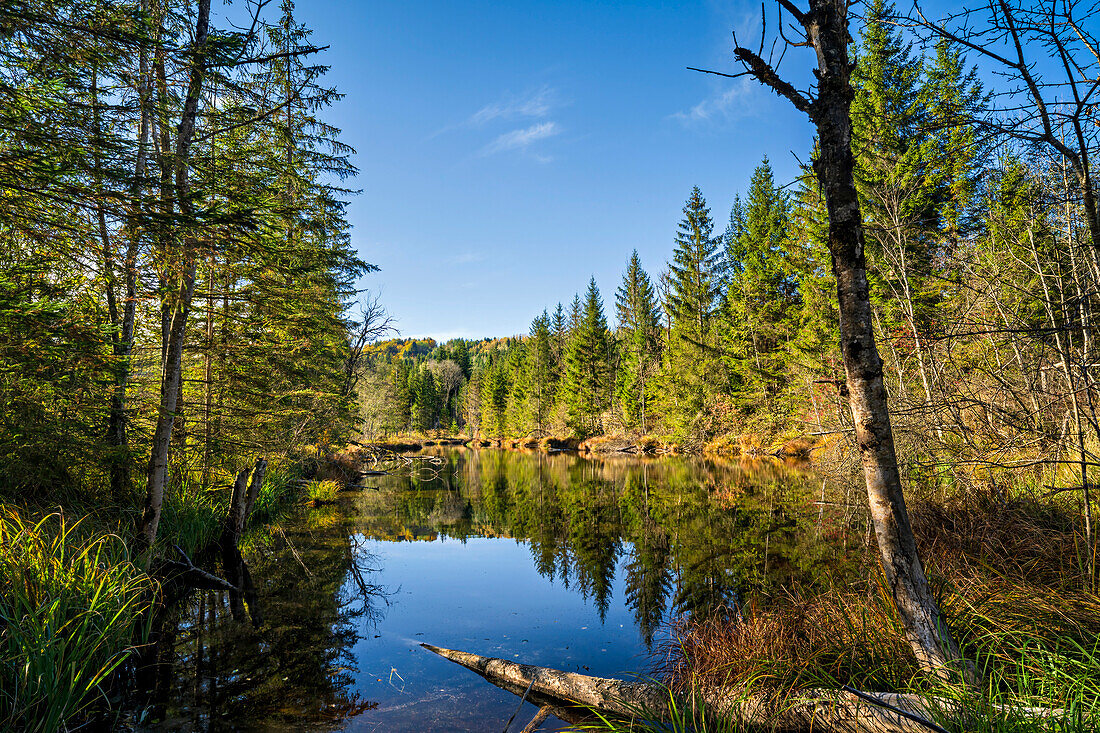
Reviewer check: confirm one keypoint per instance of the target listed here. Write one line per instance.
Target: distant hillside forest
(981, 279)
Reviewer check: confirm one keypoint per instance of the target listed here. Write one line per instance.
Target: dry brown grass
(1006, 574)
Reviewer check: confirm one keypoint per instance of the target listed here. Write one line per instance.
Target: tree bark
(830, 711)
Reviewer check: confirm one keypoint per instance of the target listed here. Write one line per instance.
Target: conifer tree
(952, 95)
(576, 314)
(559, 330)
(539, 374)
(814, 356)
(461, 357)
(587, 373)
(695, 277)
(639, 336)
(425, 395)
(761, 303)
(495, 388)
(696, 270)
(897, 181)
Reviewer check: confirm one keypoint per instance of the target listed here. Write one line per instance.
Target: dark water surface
(556, 560)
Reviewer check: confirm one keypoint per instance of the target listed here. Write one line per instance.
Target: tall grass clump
(277, 496)
(193, 516)
(323, 492)
(70, 605)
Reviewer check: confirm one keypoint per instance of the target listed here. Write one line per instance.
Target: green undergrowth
(72, 607)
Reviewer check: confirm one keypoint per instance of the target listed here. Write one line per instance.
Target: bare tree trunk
(826, 27)
(123, 337)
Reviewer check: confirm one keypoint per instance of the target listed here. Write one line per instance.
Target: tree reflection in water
(698, 534)
(680, 535)
(280, 656)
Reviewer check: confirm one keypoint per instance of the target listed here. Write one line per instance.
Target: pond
(558, 560)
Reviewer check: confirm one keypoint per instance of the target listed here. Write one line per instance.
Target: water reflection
(317, 644)
(698, 534)
(277, 656)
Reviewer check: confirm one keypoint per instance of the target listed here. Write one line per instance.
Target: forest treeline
(982, 275)
(176, 272)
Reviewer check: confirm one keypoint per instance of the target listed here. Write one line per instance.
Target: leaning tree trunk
(826, 26)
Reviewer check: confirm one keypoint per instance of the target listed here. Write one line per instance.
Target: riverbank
(76, 605)
(1008, 573)
(727, 446)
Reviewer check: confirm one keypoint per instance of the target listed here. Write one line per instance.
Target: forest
(979, 259)
(186, 341)
(177, 298)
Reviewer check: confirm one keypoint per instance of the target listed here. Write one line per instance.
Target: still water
(556, 560)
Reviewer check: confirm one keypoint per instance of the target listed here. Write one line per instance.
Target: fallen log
(822, 711)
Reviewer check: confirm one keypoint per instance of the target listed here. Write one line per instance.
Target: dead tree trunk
(826, 31)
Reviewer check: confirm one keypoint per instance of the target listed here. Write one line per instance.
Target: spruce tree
(639, 336)
(952, 95)
(539, 374)
(696, 270)
(559, 331)
(692, 371)
(586, 385)
(899, 188)
(762, 300)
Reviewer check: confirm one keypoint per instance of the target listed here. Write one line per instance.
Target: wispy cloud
(533, 104)
(724, 104)
(536, 103)
(467, 258)
(522, 139)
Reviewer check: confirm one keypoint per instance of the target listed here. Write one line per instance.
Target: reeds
(193, 516)
(323, 492)
(69, 608)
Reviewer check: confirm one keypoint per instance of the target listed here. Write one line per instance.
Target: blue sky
(510, 151)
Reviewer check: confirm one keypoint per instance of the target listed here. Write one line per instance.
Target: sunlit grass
(323, 492)
(69, 609)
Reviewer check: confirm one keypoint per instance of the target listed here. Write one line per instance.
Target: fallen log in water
(821, 711)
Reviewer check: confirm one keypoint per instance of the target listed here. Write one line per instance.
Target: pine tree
(576, 313)
(540, 374)
(559, 332)
(586, 384)
(696, 270)
(462, 357)
(494, 400)
(695, 276)
(762, 299)
(814, 353)
(425, 394)
(731, 242)
(639, 335)
(952, 95)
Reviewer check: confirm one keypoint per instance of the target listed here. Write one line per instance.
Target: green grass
(70, 604)
(278, 495)
(192, 517)
(323, 492)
